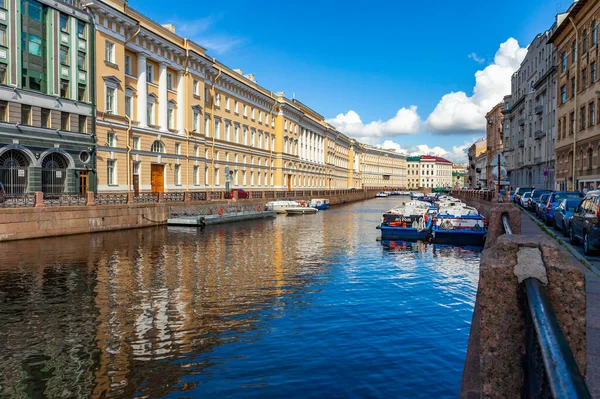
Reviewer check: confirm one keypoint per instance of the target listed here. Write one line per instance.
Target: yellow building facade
(171, 119)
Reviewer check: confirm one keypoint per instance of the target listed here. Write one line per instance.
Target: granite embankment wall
(497, 341)
(40, 220)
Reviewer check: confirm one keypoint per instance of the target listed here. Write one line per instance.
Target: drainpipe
(92, 92)
(212, 125)
(575, 97)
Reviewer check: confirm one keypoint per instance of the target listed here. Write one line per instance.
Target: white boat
(381, 195)
(301, 210)
(281, 206)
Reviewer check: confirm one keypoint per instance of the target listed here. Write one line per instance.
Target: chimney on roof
(250, 76)
(169, 27)
(238, 71)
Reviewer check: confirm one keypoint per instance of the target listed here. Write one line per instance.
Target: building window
(81, 91)
(195, 119)
(245, 110)
(45, 118)
(137, 143)
(574, 51)
(564, 61)
(81, 29)
(206, 175)
(196, 175)
(64, 121)
(227, 103)
(64, 22)
(585, 41)
(593, 72)
(129, 105)
(206, 95)
(64, 88)
(149, 73)
(252, 114)
(592, 114)
(236, 107)
(109, 52)
(196, 88)
(584, 78)
(82, 124)
(25, 115)
(563, 94)
(111, 172)
(128, 66)
(594, 33)
(171, 118)
(573, 87)
(81, 64)
(110, 100)
(150, 113)
(582, 121)
(178, 148)
(158, 146)
(572, 127)
(3, 35)
(169, 81)
(111, 139)
(217, 129)
(3, 74)
(217, 100)
(64, 55)
(177, 175)
(206, 127)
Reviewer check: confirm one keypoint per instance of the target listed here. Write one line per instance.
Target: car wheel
(572, 239)
(587, 249)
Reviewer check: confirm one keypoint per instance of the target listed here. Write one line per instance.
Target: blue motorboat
(319, 203)
(412, 222)
(459, 229)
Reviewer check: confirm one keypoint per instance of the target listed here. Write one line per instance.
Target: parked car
(524, 200)
(519, 193)
(2, 193)
(540, 204)
(554, 200)
(585, 224)
(535, 197)
(563, 214)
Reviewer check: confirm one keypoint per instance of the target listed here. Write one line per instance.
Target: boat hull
(303, 211)
(322, 207)
(459, 237)
(402, 233)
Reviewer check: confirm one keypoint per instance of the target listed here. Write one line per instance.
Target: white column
(180, 103)
(163, 99)
(142, 91)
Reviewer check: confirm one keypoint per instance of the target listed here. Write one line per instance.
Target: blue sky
(379, 60)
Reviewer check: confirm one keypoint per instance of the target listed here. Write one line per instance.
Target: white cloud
(476, 58)
(458, 113)
(458, 153)
(406, 121)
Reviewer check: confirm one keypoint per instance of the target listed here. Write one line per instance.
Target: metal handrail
(562, 374)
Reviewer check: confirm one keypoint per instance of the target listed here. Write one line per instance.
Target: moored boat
(459, 225)
(301, 210)
(281, 206)
(411, 222)
(319, 203)
(381, 195)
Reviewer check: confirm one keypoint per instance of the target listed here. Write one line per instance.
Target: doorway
(158, 178)
(289, 182)
(83, 182)
(136, 184)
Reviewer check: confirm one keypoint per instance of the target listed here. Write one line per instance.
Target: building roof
(572, 11)
(413, 159)
(435, 159)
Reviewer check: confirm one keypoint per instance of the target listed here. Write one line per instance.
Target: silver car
(525, 199)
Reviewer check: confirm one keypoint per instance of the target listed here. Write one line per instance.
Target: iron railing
(111, 199)
(64, 199)
(550, 367)
(142, 198)
(17, 200)
(198, 196)
(174, 197)
(206, 210)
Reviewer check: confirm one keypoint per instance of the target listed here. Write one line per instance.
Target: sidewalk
(592, 288)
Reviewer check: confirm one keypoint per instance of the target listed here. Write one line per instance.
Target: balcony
(539, 134)
(521, 121)
(537, 160)
(539, 109)
(521, 143)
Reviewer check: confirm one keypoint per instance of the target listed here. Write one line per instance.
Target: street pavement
(590, 266)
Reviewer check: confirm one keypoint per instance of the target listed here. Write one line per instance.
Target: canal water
(304, 306)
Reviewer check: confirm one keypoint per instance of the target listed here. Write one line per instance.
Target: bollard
(91, 199)
(39, 199)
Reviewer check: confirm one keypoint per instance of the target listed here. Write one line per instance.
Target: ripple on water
(309, 306)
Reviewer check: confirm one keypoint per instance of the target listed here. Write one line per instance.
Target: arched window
(13, 171)
(590, 155)
(54, 173)
(158, 146)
